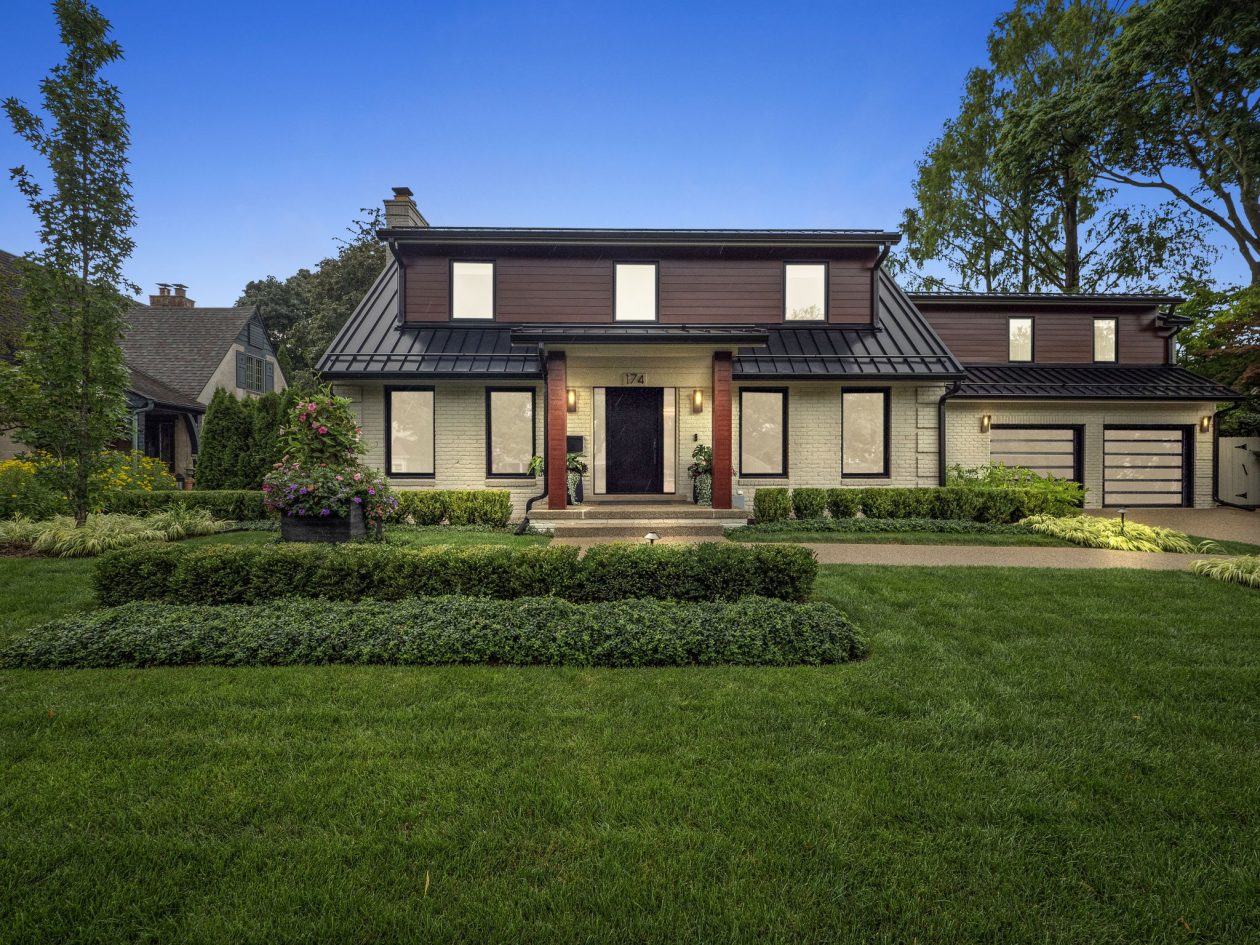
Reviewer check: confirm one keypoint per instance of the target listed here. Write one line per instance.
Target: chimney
(401, 212)
(171, 295)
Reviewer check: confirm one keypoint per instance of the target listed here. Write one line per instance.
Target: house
(792, 353)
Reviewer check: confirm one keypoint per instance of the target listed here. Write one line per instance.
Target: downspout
(520, 529)
(879, 261)
(951, 391)
(1216, 460)
(135, 424)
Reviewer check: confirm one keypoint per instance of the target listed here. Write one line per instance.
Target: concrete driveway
(1223, 524)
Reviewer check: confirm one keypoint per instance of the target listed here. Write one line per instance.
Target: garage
(1046, 450)
(1146, 466)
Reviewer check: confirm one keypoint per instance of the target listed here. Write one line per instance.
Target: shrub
(490, 507)
(421, 507)
(1047, 495)
(1093, 531)
(446, 630)
(843, 503)
(772, 504)
(878, 526)
(240, 439)
(809, 503)
(23, 492)
(59, 536)
(238, 504)
(254, 573)
(1244, 570)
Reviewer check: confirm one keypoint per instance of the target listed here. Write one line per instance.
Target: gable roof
(150, 388)
(181, 347)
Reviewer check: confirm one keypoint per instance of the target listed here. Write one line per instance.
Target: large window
(635, 292)
(864, 432)
(1020, 339)
(509, 431)
(805, 292)
(409, 416)
(763, 432)
(472, 290)
(1104, 339)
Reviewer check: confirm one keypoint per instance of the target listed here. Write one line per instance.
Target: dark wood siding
(575, 291)
(428, 289)
(722, 291)
(980, 337)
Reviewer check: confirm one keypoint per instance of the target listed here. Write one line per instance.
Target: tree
(1223, 343)
(66, 393)
(225, 438)
(1181, 90)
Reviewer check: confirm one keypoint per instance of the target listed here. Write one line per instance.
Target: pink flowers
(323, 430)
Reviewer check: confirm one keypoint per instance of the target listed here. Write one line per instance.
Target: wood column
(557, 430)
(722, 430)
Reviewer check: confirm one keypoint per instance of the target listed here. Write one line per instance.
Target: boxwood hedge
(228, 574)
(445, 630)
(238, 504)
(977, 504)
(454, 506)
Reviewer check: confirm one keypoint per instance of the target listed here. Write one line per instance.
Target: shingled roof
(181, 347)
(150, 388)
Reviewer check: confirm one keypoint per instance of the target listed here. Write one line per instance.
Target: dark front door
(635, 439)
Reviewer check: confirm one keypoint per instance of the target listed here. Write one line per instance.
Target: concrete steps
(631, 521)
(623, 530)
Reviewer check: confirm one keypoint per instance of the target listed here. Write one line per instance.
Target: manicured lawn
(418, 536)
(1028, 755)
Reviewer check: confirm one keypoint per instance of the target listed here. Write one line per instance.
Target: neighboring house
(791, 352)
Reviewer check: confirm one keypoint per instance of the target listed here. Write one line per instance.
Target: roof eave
(611, 237)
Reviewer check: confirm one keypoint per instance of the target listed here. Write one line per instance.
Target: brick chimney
(400, 210)
(171, 295)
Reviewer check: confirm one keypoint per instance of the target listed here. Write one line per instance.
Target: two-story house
(792, 353)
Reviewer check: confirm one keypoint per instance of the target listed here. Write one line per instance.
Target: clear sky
(260, 128)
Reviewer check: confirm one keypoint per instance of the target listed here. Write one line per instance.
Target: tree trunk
(1071, 235)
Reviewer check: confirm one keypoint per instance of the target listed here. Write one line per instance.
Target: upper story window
(634, 295)
(254, 373)
(1020, 339)
(472, 290)
(1104, 339)
(804, 292)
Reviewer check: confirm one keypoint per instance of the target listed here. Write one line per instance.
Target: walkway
(1000, 556)
(1223, 524)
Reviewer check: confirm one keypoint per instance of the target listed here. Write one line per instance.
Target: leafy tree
(1223, 343)
(66, 393)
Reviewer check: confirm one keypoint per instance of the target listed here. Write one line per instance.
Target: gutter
(951, 391)
(1216, 460)
(520, 529)
(879, 261)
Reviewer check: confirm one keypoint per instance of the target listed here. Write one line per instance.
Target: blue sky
(259, 129)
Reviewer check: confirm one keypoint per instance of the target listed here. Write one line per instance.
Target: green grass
(1229, 547)
(1028, 755)
(903, 538)
(417, 536)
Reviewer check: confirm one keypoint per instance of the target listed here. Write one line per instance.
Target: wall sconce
(697, 401)
(1205, 424)
(986, 421)
(570, 400)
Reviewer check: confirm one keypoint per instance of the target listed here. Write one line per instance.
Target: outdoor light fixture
(697, 401)
(1122, 512)
(652, 538)
(570, 399)
(1205, 424)
(986, 421)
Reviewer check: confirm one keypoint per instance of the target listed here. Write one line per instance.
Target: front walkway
(999, 556)
(1222, 524)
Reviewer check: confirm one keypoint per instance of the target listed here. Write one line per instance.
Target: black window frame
(494, 291)
(390, 390)
(533, 431)
(887, 394)
(656, 286)
(826, 316)
(1093, 340)
(1032, 339)
(783, 391)
(1188, 447)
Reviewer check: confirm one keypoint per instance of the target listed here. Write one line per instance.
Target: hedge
(948, 502)
(445, 630)
(454, 506)
(230, 574)
(809, 503)
(238, 504)
(772, 504)
(879, 526)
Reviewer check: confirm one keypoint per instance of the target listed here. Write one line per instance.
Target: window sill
(510, 482)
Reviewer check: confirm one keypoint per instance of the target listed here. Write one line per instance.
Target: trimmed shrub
(772, 504)
(238, 504)
(446, 630)
(809, 503)
(868, 526)
(843, 503)
(454, 506)
(421, 506)
(1243, 570)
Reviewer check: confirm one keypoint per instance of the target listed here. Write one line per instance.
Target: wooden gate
(1239, 463)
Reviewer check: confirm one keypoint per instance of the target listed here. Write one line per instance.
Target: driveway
(1223, 524)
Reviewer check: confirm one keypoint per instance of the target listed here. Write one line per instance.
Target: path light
(986, 421)
(652, 538)
(1122, 512)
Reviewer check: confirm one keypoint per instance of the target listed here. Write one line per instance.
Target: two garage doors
(1141, 465)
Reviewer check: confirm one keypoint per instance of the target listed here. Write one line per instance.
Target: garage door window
(1145, 466)
(1047, 451)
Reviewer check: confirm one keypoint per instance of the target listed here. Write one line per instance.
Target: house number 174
(631, 377)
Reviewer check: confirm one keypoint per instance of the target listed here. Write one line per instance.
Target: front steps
(631, 521)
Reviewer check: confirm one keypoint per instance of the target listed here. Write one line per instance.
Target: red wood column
(722, 430)
(557, 430)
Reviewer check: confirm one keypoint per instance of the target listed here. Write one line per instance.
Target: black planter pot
(318, 528)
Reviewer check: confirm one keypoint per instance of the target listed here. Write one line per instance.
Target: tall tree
(66, 393)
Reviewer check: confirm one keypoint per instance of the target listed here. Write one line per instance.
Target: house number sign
(631, 377)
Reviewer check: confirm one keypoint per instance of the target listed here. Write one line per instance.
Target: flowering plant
(328, 491)
(321, 428)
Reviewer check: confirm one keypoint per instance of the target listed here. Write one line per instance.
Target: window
(472, 290)
(805, 291)
(251, 373)
(763, 432)
(864, 423)
(1020, 346)
(1104, 339)
(509, 431)
(409, 416)
(634, 296)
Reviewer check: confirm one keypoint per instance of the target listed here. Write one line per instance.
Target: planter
(317, 528)
(575, 488)
(702, 489)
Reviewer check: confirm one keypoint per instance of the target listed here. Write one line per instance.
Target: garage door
(1048, 451)
(1145, 466)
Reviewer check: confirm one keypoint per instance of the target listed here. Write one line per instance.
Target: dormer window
(472, 290)
(1020, 339)
(805, 292)
(634, 295)
(1105, 339)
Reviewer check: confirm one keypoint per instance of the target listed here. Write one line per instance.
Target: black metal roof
(640, 237)
(632, 334)
(1089, 382)
(904, 345)
(1047, 298)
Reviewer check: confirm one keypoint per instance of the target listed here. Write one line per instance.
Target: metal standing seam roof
(1049, 298)
(633, 334)
(1089, 382)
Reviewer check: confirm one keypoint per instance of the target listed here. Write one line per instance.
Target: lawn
(1028, 755)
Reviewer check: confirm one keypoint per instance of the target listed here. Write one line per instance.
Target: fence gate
(1239, 463)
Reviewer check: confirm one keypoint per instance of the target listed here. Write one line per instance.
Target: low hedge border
(435, 631)
(1003, 506)
(868, 526)
(230, 574)
(237, 504)
(492, 507)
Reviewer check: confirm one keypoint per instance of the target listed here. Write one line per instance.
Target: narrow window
(864, 433)
(472, 290)
(409, 413)
(763, 432)
(1104, 339)
(1020, 339)
(635, 292)
(805, 292)
(509, 432)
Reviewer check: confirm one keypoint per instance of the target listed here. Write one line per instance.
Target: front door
(635, 439)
